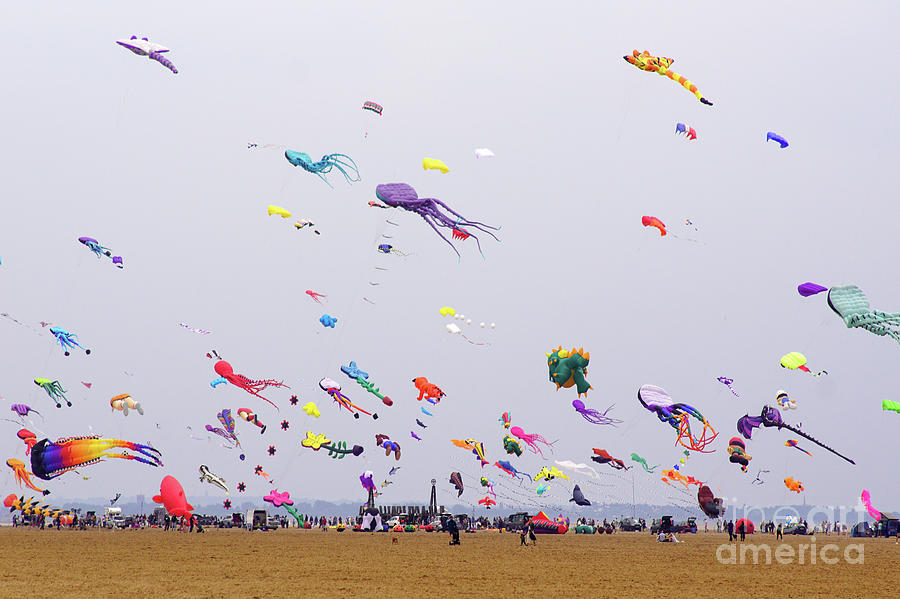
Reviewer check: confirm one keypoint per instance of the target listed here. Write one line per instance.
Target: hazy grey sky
(102, 143)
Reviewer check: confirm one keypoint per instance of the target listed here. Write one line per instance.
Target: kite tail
(163, 61)
(687, 85)
(340, 164)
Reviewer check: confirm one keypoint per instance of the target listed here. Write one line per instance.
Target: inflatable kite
(402, 195)
(794, 485)
(124, 403)
(311, 409)
(251, 417)
(688, 131)
(483, 153)
(31, 507)
(578, 468)
(531, 440)
(674, 475)
(372, 106)
(656, 400)
(511, 446)
(315, 296)
(213, 479)
(636, 458)
(153, 51)
(541, 489)
(333, 389)
(851, 304)
(476, 447)
(428, 390)
(336, 450)
(23, 410)
(784, 401)
(594, 416)
(510, 469)
(362, 377)
(324, 166)
(279, 499)
(727, 382)
(578, 497)
(366, 481)
(710, 504)
(23, 477)
(660, 66)
(602, 457)
(866, 500)
(434, 164)
(487, 502)
(505, 419)
(793, 443)
(770, 136)
(770, 417)
(567, 368)
(171, 495)
(456, 480)
(52, 459)
(550, 473)
(226, 433)
(389, 446)
(253, 387)
(54, 390)
(652, 221)
(808, 289)
(328, 320)
(893, 406)
(67, 340)
(489, 484)
(544, 525)
(737, 452)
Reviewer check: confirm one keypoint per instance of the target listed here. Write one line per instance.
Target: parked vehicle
(257, 520)
(517, 521)
(629, 525)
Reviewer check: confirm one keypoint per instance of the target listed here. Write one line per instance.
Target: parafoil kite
(652, 221)
(851, 304)
(808, 289)
(226, 433)
(434, 164)
(402, 195)
(550, 473)
(251, 386)
(567, 368)
(636, 458)
(737, 452)
(601, 456)
(797, 361)
(510, 469)
(324, 166)
(171, 495)
(213, 479)
(771, 136)
(531, 440)
(578, 497)
(52, 459)
(272, 209)
(333, 389)
(23, 477)
(688, 131)
(594, 416)
(54, 390)
(867, 502)
(709, 503)
(893, 406)
(305, 222)
(98, 250)
(427, 390)
(656, 400)
(794, 443)
(152, 50)
(794, 485)
(67, 340)
(784, 400)
(456, 481)
(251, 417)
(660, 66)
(373, 106)
(124, 402)
(483, 153)
(770, 417)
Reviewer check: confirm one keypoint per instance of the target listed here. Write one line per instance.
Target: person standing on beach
(453, 528)
(742, 528)
(730, 528)
(778, 533)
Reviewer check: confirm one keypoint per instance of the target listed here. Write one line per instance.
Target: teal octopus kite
(850, 303)
(324, 166)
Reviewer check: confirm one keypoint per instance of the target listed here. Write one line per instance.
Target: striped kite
(660, 66)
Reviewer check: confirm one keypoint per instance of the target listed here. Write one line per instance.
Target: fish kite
(578, 497)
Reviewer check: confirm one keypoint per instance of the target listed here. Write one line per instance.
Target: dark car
(795, 529)
(517, 521)
(629, 525)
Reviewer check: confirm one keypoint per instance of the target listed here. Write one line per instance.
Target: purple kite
(402, 195)
(22, 410)
(771, 417)
(366, 479)
(144, 47)
(808, 289)
(594, 416)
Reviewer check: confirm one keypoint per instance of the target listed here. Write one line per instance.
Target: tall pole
(632, 493)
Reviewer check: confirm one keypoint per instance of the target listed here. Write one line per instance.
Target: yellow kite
(660, 66)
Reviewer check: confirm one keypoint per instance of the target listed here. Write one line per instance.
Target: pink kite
(224, 370)
(867, 501)
(315, 296)
(277, 499)
(530, 440)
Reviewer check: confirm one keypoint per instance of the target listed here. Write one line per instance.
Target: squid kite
(770, 417)
(153, 51)
(315, 296)
(67, 340)
(656, 400)
(23, 477)
(325, 165)
(660, 66)
(225, 370)
(636, 458)
(531, 440)
(594, 416)
(402, 195)
(727, 382)
(54, 390)
(52, 459)
(851, 304)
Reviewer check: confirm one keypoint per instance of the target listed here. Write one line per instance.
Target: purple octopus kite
(402, 195)
(594, 416)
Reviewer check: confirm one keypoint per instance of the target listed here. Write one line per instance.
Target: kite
(487, 502)
(30, 507)
(23, 477)
(171, 495)
(153, 51)
(541, 489)
(311, 409)
(272, 209)
(784, 401)
(660, 65)
(531, 440)
(850, 303)
(402, 195)
(510, 470)
(226, 433)
(511, 446)
(305, 222)
(866, 500)
(489, 484)
(285, 425)
(652, 221)
(727, 382)
(636, 458)
(362, 377)
(677, 415)
(293, 400)
(54, 390)
(770, 417)
(771, 136)
(567, 368)
(420, 423)
(594, 416)
(738, 453)
(415, 436)
(427, 390)
(579, 468)
(456, 481)
(376, 108)
(578, 497)
(602, 457)
(67, 340)
(52, 459)
(336, 450)
(676, 476)
(426, 412)
(688, 131)
(271, 450)
(192, 329)
(394, 470)
(709, 503)
(797, 361)
(893, 406)
(225, 370)
(793, 443)
(315, 296)
(476, 447)
(248, 415)
(98, 250)
(23, 410)
(505, 419)
(386, 248)
(115, 499)
(386, 482)
(550, 473)
(278, 499)
(328, 320)
(324, 166)
(434, 164)
(333, 389)
(794, 485)
(483, 153)
(808, 289)
(123, 403)
(213, 479)
(389, 446)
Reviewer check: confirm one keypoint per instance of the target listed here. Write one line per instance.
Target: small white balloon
(469, 321)
(493, 325)
(481, 325)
